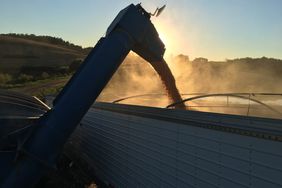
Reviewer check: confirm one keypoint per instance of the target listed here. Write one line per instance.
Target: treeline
(232, 75)
(185, 58)
(45, 39)
(254, 60)
(34, 73)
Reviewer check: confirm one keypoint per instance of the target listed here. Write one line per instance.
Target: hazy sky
(216, 29)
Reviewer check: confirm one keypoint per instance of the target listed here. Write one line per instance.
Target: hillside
(19, 52)
(25, 60)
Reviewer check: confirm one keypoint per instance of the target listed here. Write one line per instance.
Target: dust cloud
(232, 76)
(136, 77)
(168, 80)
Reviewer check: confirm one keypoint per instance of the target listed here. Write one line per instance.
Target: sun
(165, 39)
(166, 36)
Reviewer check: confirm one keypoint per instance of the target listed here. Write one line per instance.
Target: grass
(39, 88)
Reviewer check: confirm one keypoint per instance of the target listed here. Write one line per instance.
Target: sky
(214, 29)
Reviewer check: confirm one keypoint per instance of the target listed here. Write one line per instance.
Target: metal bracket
(158, 11)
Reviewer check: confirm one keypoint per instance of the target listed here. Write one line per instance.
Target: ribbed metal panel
(131, 146)
(18, 111)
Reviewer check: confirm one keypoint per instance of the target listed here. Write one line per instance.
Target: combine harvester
(134, 146)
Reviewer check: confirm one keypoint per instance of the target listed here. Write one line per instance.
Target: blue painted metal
(131, 30)
(134, 146)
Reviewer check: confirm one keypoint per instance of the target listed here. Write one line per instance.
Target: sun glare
(166, 40)
(167, 36)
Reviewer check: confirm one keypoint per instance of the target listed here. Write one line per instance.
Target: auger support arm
(130, 30)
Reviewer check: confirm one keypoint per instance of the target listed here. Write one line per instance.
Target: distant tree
(63, 70)
(200, 60)
(44, 75)
(5, 78)
(75, 65)
(22, 78)
(182, 58)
